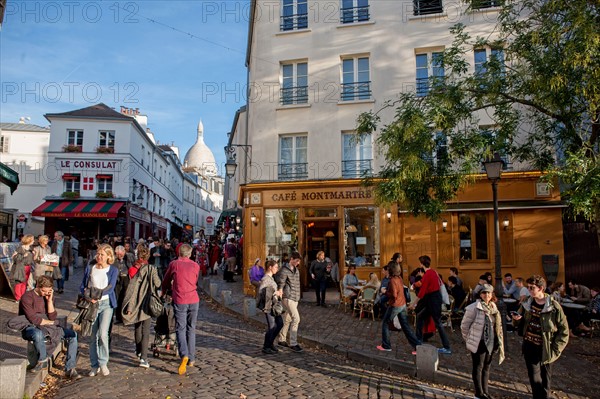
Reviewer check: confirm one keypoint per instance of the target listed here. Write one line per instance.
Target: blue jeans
(185, 322)
(389, 315)
(274, 325)
(36, 335)
(64, 270)
(99, 350)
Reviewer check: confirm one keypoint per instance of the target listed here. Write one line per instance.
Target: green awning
(9, 177)
(228, 213)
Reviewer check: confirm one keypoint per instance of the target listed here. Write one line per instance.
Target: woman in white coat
(481, 329)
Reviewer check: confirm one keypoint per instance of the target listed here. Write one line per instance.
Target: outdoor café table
(511, 304)
(573, 312)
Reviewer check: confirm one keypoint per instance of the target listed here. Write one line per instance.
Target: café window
(473, 235)
(281, 233)
(72, 183)
(105, 183)
(320, 212)
(107, 139)
(361, 236)
(75, 138)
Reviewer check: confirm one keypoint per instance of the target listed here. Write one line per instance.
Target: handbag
(82, 303)
(394, 324)
(153, 305)
(277, 308)
(444, 292)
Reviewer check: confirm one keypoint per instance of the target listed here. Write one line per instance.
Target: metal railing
(478, 4)
(426, 7)
(293, 171)
(357, 168)
(294, 22)
(294, 95)
(356, 91)
(354, 14)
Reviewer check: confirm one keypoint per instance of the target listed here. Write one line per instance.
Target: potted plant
(70, 194)
(105, 150)
(72, 148)
(102, 194)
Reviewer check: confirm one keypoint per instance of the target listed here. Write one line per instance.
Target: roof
(24, 127)
(100, 110)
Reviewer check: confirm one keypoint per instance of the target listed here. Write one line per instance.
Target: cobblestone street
(230, 364)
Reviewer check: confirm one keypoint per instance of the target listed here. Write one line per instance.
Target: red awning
(104, 176)
(78, 209)
(67, 176)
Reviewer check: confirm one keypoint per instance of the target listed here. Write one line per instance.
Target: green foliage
(543, 98)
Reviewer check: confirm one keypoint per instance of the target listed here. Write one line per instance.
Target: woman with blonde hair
(98, 286)
(21, 267)
(39, 252)
(144, 281)
(373, 281)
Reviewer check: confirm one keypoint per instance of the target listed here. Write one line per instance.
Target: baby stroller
(165, 340)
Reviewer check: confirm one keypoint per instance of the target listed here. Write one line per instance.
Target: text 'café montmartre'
(340, 218)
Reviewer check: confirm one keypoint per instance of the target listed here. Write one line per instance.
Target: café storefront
(340, 218)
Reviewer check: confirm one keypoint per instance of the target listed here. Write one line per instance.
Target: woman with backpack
(144, 281)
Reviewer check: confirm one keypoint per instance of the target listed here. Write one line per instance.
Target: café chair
(344, 300)
(366, 302)
(447, 314)
(595, 327)
(459, 312)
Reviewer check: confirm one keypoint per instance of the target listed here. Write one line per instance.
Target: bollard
(214, 291)
(427, 362)
(226, 297)
(12, 378)
(249, 307)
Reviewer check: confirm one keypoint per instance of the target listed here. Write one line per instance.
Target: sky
(177, 61)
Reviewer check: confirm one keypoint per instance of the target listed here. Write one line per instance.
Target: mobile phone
(514, 313)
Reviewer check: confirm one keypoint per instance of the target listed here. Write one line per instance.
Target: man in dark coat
(63, 249)
(123, 261)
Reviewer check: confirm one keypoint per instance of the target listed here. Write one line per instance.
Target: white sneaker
(144, 364)
(94, 372)
(104, 370)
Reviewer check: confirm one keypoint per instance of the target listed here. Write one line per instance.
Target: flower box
(105, 150)
(104, 195)
(72, 148)
(70, 194)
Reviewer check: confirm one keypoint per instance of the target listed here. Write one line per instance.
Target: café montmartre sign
(295, 196)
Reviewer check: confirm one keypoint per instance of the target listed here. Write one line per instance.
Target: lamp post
(231, 165)
(493, 169)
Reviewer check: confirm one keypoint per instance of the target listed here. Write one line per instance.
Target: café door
(319, 235)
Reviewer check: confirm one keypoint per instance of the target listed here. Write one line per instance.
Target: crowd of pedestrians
(120, 278)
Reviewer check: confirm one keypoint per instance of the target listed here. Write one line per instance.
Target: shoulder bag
(153, 305)
(444, 292)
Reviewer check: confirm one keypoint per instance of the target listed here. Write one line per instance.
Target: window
(426, 7)
(281, 232)
(107, 139)
(357, 156)
(294, 83)
(293, 157)
(148, 164)
(294, 15)
(105, 183)
(479, 4)
(4, 143)
(160, 174)
(354, 11)
(361, 235)
(143, 150)
(440, 151)
(356, 83)
(482, 56)
(73, 183)
(428, 65)
(75, 138)
(473, 235)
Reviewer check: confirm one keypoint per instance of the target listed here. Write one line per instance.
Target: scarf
(488, 328)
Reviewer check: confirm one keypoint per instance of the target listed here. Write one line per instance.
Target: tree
(541, 89)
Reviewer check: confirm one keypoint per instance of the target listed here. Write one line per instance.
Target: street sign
(210, 219)
(21, 218)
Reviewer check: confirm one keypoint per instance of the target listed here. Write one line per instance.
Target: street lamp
(173, 214)
(493, 170)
